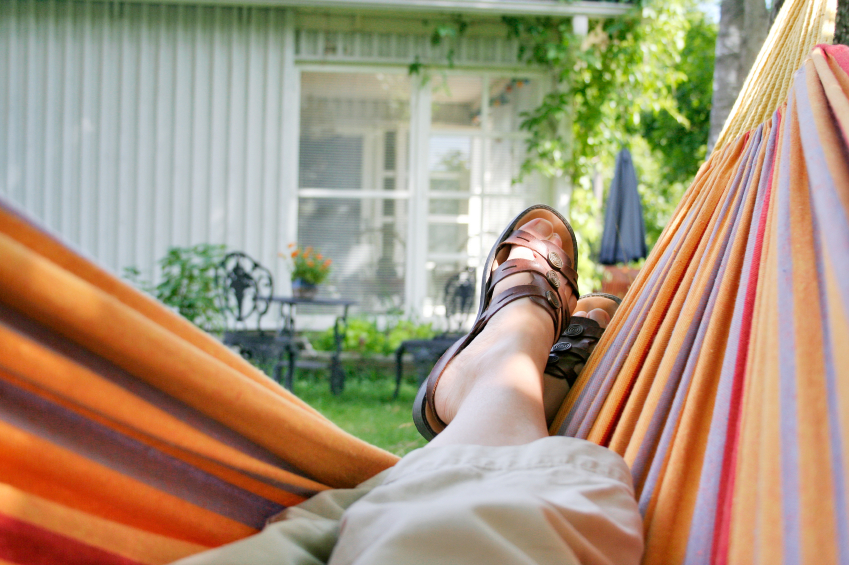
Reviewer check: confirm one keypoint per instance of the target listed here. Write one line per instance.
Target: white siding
(128, 128)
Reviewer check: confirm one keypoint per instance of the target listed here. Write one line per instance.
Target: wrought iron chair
(459, 294)
(246, 289)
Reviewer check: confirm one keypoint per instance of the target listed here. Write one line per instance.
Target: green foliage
(446, 33)
(187, 283)
(643, 81)
(682, 148)
(364, 336)
(605, 82)
(366, 408)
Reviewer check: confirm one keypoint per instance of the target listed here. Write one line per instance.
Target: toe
(601, 317)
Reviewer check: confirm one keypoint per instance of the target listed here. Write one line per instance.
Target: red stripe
(27, 544)
(840, 53)
(722, 524)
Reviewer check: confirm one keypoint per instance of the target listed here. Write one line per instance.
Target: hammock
(129, 436)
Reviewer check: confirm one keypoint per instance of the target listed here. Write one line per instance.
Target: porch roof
(592, 9)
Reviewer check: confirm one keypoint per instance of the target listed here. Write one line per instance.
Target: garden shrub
(364, 336)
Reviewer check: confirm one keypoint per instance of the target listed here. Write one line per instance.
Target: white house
(129, 126)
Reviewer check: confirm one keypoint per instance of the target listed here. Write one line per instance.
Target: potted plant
(309, 269)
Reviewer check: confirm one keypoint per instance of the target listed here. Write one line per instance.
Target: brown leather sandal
(552, 270)
(577, 342)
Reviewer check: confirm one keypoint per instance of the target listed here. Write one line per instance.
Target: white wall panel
(129, 128)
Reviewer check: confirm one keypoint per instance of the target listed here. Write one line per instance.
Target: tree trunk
(773, 13)
(841, 29)
(743, 26)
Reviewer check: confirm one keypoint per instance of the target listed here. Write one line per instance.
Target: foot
(511, 352)
(598, 308)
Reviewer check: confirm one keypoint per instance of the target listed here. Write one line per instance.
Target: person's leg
(492, 487)
(492, 393)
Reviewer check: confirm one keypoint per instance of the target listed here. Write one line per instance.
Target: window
(475, 151)
(353, 202)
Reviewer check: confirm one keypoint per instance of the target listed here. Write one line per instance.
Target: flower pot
(304, 290)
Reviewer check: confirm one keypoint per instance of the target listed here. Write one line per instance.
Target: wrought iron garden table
(288, 312)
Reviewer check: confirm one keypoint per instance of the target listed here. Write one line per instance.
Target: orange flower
(295, 253)
(327, 263)
(310, 263)
(318, 256)
(291, 245)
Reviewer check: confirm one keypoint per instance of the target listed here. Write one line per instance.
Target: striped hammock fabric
(129, 436)
(724, 378)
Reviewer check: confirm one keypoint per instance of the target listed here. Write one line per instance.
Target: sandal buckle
(555, 260)
(552, 299)
(562, 346)
(574, 330)
(553, 278)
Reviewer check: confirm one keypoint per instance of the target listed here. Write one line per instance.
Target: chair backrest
(459, 298)
(245, 288)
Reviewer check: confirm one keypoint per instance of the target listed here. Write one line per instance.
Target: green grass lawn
(365, 408)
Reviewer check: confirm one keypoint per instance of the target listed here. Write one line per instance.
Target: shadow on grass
(366, 408)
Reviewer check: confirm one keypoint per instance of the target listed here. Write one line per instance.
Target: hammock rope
(799, 26)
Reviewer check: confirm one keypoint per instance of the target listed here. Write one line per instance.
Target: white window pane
(354, 137)
(366, 240)
(456, 101)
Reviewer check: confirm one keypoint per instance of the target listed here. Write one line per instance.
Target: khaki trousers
(554, 501)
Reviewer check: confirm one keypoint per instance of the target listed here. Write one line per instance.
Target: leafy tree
(682, 145)
(642, 80)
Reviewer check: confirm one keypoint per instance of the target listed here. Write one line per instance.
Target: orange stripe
(37, 466)
(691, 198)
(74, 386)
(839, 326)
(110, 536)
(37, 241)
(108, 328)
(221, 470)
(746, 476)
(819, 529)
(675, 320)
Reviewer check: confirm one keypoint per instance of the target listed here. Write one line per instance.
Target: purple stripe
(134, 459)
(700, 541)
(827, 203)
(826, 227)
(787, 350)
(666, 416)
(214, 429)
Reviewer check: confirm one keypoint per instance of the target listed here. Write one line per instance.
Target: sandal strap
(550, 274)
(533, 291)
(573, 347)
(542, 274)
(540, 295)
(554, 256)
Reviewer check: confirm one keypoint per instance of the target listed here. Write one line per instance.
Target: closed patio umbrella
(624, 237)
